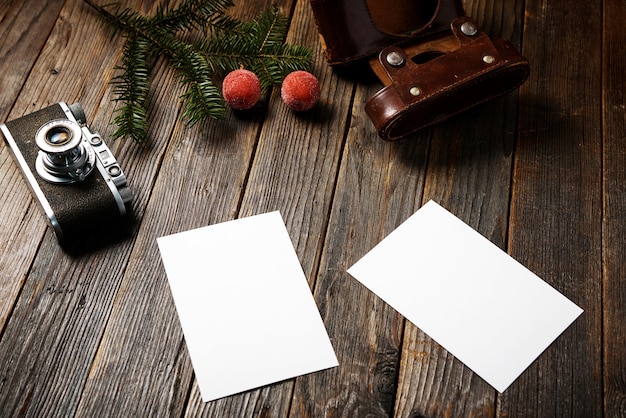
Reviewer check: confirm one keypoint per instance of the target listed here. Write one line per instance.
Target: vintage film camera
(71, 172)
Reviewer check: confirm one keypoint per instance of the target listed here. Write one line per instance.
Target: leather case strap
(460, 71)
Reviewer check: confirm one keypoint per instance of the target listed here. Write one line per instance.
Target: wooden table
(540, 173)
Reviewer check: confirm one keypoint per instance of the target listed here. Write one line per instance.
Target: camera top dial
(63, 157)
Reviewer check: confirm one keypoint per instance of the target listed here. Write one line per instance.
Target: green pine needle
(226, 44)
(258, 46)
(132, 88)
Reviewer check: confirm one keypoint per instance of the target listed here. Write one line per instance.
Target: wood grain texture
(26, 26)
(66, 299)
(91, 330)
(378, 186)
(294, 171)
(614, 227)
(469, 172)
(556, 227)
(24, 29)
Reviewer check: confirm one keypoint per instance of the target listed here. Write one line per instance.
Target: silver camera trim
(32, 181)
(105, 161)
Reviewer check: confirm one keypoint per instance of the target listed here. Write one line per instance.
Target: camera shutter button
(95, 140)
(114, 171)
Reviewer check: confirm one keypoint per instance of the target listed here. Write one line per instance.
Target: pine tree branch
(195, 14)
(258, 46)
(202, 99)
(228, 44)
(132, 88)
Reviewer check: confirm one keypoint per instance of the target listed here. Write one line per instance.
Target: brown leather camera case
(433, 61)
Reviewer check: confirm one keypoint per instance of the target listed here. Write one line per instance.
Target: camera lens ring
(58, 136)
(64, 156)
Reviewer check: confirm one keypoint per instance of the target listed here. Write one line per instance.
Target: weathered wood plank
(379, 185)
(66, 300)
(294, 171)
(24, 28)
(469, 172)
(95, 333)
(614, 231)
(556, 201)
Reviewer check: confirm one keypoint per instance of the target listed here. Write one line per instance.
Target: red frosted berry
(241, 89)
(300, 90)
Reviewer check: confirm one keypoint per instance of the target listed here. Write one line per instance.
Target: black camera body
(71, 172)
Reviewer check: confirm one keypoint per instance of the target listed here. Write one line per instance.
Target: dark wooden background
(539, 172)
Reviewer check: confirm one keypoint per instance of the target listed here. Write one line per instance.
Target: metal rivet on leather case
(469, 29)
(415, 91)
(395, 59)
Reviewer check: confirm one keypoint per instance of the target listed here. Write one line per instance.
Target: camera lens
(58, 135)
(63, 157)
